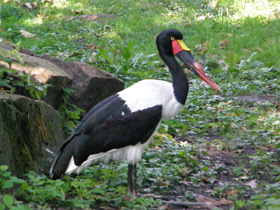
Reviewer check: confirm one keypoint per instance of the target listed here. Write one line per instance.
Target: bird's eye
(172, 38)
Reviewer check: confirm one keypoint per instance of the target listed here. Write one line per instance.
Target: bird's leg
(132, 180)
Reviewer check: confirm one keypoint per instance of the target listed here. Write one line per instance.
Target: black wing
(109, 125)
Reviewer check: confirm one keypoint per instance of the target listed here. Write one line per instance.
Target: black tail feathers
(62, 160)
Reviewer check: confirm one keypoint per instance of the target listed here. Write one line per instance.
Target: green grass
(222, 38)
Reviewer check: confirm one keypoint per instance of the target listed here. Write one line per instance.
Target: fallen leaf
(185, 171)
(239, 151)
(202, 49)
(213, 4)
(201, 18)
(232, 192)
(224, 43)
(77, 11)
(244, 177)
(225, 202)
(252, 184)
(91, 46)
(41, 16)
(28, 5)
(219, 108)
(211, 203)
(26, 34)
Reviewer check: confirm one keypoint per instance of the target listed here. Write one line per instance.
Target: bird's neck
(180, 80)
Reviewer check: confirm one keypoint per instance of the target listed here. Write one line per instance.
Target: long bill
(184, 54)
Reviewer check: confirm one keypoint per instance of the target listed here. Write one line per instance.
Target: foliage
(17, 82)
(69, 112)
(223, 145)
(7, 182)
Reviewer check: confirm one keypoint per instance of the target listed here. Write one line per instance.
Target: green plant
(21, 83)
(127, 64)
(69, 112)
(18, 82)
(7, 183)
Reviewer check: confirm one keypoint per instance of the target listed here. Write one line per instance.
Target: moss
(21, 156)
(28, 127)
(41, 125)
(23, 159)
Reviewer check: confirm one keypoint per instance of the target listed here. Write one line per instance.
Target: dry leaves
(213, 4)
(224, 44)
(202, 49)
(75, 11)
(26, 34)
(211, 203)
(30, 5)
(252, 184)
(41, 16)
(232, 192)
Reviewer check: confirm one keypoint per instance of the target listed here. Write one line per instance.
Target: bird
(121, 126)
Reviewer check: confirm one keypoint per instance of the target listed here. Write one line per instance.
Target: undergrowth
(222, 145)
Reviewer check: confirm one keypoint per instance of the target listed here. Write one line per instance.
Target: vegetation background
(224, 146)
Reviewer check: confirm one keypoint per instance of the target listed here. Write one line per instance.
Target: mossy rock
(28, 128)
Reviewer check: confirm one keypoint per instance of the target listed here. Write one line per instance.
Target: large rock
(43, 71)
(90, 84)
(27, 129)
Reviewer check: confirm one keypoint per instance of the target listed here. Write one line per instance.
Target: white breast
(149, 93)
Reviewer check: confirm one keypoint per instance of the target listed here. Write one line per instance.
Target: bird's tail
(62, 159)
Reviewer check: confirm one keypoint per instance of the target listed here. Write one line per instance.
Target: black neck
(180, 80)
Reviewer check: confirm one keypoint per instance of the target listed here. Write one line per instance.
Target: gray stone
(27, 129)
(42, 71)
(90, 84)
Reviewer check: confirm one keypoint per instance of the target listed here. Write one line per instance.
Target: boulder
(90, 84)
(42, 71)
(28, 128)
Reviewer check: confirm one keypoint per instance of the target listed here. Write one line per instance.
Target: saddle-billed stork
(122, 126)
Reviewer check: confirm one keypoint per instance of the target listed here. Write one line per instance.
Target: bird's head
(170, 43)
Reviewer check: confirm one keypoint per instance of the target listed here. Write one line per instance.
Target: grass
(217, 145)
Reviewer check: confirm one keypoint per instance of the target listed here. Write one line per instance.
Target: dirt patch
(229, 173)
